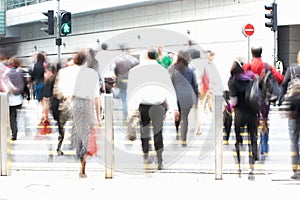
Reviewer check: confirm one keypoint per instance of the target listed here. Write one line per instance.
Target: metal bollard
(4, 135)
(109, 136)
(218, 102)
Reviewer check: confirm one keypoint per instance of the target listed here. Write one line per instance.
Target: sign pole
(58, 39)
(248, 49)
(248, 30)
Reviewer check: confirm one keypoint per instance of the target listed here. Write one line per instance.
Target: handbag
(131, 128)
(92, 143)
(65, 108)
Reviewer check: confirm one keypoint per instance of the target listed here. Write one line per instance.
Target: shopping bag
(92, 143)
(44, 128)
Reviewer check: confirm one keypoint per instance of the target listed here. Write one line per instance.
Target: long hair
(40, 58)
(236, 67)
(182, 60)
(80, 58)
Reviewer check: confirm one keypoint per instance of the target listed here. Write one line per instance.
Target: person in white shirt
(61, 104)
(86, 97)
(151, 94)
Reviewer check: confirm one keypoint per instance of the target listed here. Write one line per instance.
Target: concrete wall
(213, 24)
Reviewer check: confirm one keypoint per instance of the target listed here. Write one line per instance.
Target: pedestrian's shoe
(295, 176)
(82, 175)
(183, 143)
(177, 136)
(13, 138)
(240, 172)
(147, 159)
(251, 176)
(59, 152)
(225, 142)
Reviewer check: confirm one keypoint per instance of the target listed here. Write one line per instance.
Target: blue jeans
(264, 142)
(123, 95)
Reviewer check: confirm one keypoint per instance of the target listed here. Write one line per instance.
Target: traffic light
(65, 23)
(50, 22)
(272, 15)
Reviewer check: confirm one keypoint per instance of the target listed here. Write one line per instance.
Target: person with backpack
(259, 67)
(244, 114)
(15, 98)
(294, 117)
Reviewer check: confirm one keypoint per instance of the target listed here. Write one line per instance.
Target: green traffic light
(65, 28)
(65, 21)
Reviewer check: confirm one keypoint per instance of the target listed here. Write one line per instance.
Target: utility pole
(272, 16)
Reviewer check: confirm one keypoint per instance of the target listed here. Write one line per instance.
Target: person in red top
(259, 67)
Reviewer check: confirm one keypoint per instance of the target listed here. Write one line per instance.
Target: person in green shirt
(164, 59)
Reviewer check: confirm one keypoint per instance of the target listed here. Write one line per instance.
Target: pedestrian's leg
(177, 123)
(61, 136)
(184, 125)
(252, 135)
(145, 131)
(13, 122)
(237, 129)
(82, 173)
(157, 115)
(295, 150)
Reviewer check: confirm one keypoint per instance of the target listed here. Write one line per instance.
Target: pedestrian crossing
(36, 151)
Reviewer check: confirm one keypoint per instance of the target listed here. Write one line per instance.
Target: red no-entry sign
(248, 30)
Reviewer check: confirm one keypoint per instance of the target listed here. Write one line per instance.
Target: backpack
(270, 86)
(293, 90)
(254, 95)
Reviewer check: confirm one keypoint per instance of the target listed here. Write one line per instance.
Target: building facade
(213, 24)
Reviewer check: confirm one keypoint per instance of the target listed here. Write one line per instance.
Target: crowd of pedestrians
(73, 92)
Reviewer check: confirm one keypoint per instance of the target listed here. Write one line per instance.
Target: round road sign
(248, 30)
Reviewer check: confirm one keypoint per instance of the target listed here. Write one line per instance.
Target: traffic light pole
(58, 39)
(275, 48)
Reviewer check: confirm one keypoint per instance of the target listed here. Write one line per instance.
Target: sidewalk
(157, 185)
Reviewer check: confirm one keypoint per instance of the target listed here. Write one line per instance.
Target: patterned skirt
(83, 122)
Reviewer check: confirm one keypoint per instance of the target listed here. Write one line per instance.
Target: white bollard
(4, 135)
(218, 119)
(109, 135)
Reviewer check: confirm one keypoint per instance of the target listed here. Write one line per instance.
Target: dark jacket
(186, 87)
(237, 87)
(38, 73)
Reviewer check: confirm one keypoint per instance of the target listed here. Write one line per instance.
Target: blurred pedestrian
(186, 87)
(122, 67)
(49, 78)
(38, 77)
(15, 98)
(165, 59)
(244, 115)
(227, 117)
(61, 102)
(86, 97)
(259, 67)
(294, 118)
(206, 84)
(5, 83)
(151, 102)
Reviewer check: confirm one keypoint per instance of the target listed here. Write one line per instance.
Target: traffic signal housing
(65, 23)
(272, 16)
(49, 22)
